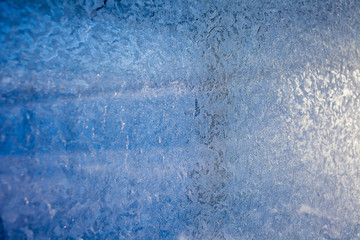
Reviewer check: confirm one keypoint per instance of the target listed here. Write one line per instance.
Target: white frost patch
(333, 230)
(312, 211)
(182, 237)
(348, 92)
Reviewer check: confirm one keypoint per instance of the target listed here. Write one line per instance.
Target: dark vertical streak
(2, 231)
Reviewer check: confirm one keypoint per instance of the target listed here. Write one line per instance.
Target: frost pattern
(180, 120)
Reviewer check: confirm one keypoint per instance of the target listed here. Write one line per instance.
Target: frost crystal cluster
(180, 119)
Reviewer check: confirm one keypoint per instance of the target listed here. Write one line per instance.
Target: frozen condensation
(179, 119)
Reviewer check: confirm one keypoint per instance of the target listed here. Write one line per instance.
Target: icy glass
(198, 119)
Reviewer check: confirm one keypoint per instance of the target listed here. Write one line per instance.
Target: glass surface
(181, 119)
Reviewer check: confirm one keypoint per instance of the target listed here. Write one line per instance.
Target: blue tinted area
(179, 119)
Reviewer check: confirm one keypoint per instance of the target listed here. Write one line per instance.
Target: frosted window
(142, 119)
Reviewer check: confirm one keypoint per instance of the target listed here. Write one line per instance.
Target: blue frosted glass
(186, 119)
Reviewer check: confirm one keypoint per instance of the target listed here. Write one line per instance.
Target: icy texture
(180, 120)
